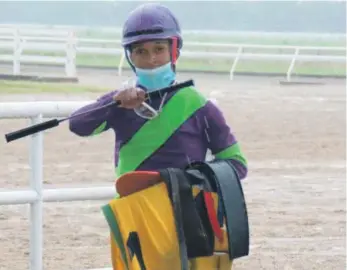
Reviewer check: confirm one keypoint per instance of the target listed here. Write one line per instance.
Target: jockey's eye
(159, 49)
(140, 51)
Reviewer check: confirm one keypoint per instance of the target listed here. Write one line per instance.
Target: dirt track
(293, 137)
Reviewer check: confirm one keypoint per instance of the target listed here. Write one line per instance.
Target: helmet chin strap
(126, 51)
(174, 53)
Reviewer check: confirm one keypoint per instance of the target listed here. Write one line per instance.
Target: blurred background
(241, 37)
(266, 16)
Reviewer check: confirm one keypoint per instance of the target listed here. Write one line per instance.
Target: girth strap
(200, 180)
(172, 182)
(225, 181)
(194, 230)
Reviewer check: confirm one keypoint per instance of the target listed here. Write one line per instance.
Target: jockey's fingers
(130, 98)
(141, 94)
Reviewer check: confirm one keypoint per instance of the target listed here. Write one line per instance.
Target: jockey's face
(150, 54)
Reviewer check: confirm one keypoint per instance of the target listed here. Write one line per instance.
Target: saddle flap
(136, 181)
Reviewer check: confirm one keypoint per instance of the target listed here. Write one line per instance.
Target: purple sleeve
(93, 122)
(221, 140)
(218, 133)
(241, 169)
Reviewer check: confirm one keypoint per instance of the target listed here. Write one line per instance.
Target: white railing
(45, 40)
(236, 56)
(38, 41)
(36, 195)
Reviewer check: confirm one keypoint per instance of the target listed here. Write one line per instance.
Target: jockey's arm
(94, 122)
(222, 142)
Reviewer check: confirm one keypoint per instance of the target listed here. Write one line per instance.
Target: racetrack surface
(293, 137)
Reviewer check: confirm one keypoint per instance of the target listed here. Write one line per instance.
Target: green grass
(224, 65)
(270, 41)
(19, 87)
(305, 68)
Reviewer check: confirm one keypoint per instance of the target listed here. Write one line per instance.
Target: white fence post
(70, 65)
(36, 208)
(17, 51)
(292, 63)
(236, 60)
(36, 195)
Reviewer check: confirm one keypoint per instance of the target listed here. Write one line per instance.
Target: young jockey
(152, 42)
(168, 131)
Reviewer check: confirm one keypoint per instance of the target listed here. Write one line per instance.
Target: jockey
(152, 42)
(173, 131)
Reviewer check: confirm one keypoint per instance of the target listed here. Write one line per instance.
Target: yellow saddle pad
(143, 227)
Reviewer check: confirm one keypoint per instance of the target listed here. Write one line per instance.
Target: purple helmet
(151, 21)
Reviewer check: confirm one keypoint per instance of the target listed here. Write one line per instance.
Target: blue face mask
(157, 78)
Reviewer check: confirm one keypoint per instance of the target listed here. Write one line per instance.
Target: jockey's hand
(130, 98)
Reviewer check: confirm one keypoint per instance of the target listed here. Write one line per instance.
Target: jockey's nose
(152, 60)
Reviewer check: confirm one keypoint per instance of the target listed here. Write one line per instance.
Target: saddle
(179, 218)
